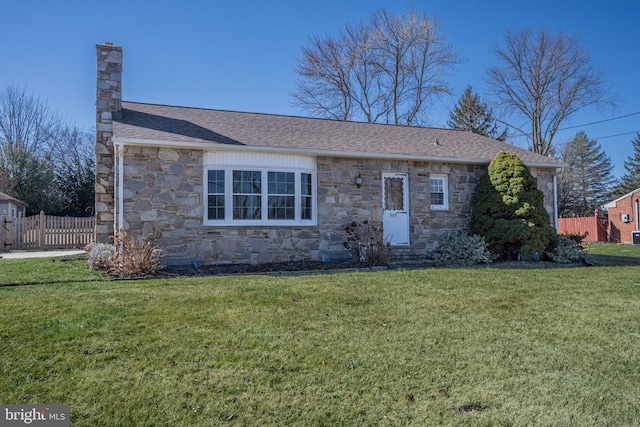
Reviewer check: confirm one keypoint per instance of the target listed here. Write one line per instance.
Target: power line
(601, 121)
(619, 134)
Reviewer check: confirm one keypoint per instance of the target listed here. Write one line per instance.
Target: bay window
(267, 189)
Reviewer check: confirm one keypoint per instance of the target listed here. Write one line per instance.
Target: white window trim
(445, 188)
(264, 222)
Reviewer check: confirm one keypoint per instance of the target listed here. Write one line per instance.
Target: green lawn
(476, 347)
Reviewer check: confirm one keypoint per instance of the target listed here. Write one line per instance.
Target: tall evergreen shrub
(509, 211)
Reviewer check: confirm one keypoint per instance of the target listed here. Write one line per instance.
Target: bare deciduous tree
(541, 79)
(25, 119)
(388, 70)
(27, 129)
(40, 155)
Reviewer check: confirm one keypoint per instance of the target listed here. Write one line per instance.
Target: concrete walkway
(45, 254)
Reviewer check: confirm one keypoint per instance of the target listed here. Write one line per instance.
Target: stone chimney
(108, 108)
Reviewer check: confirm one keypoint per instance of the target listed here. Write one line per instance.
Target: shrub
(99, 256)
(368, 243)
(509, 212)
(579, 239)
(135, 256)
(567, 251)
(464, 249)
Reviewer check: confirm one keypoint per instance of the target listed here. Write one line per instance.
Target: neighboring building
(12, 207)
(624, 218)
(232, 187)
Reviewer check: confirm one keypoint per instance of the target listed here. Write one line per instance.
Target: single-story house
(236, 187)
(624, 218)
(12, 207)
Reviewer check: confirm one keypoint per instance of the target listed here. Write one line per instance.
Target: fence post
(4, 232)
(43, 232)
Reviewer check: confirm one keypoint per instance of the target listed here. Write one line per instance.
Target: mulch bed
(269, 268)
(309, 267)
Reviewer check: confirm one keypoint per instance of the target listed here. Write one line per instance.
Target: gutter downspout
(120, 201)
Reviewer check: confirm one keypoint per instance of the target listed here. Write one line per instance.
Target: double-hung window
(215, 194)
(267, 189)
(247, 194)
(306, 196)
(439, 192)
(282, 195)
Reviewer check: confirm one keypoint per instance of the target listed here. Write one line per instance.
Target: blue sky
(240, 54)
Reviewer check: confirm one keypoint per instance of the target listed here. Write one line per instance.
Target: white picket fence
(45, 232)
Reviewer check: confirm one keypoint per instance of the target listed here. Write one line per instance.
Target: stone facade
(163, 190)
(108, 104)
(544, 178)
(340, 202)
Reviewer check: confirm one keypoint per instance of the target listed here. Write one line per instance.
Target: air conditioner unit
(635, 237)
(625, 218)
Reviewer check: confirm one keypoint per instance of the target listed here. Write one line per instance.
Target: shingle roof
(182, 125)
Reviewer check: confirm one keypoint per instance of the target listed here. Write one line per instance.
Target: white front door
(395, 206)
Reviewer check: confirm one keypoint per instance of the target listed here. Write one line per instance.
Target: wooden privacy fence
(45, 232)
(595, 226)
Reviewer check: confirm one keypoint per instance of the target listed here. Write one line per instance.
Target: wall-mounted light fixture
(358, 180)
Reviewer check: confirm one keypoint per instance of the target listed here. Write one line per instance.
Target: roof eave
(614, 203)
(208, 146)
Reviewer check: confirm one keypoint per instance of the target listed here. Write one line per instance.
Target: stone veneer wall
(164, 190)
(544, 178)
(108, 105)
(341, 201)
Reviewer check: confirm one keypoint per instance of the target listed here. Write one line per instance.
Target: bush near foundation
(509, 211)
(128, 256)
(99, 256)
(567, 251)
(464, 249)
(368, 242)
(135, 256)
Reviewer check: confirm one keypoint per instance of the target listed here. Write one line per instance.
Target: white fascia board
(613, 203)
(209, 146)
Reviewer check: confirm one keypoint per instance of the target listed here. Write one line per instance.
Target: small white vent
(625, 218)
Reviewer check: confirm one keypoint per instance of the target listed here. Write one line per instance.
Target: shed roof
(154, 124)
(6, 198)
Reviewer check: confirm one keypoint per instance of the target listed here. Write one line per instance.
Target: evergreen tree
(475, 116)
(509, 211)
(631, 178)
(586, 182)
